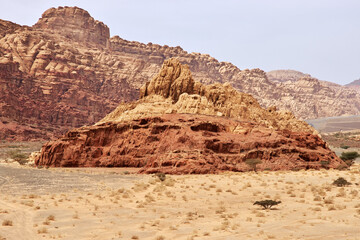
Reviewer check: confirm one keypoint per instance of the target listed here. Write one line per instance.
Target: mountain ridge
(56, 77)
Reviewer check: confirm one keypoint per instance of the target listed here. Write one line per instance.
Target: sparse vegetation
(325, 164)
(252, 162)
(341, 182)
(18, 156)
(267, 204)
(42, 230)
(349, 155)
(7, 223)
(161, 176)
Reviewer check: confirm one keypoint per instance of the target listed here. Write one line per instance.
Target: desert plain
(118, 203)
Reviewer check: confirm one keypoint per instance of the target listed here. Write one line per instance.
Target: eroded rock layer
(66, 71)
(182, 126)
(187, 143)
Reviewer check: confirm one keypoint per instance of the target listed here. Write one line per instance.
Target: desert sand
(117, 203)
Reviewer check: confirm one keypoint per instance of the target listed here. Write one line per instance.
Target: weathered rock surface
(66, 72)
(174, 90)
(184, 144)
(285, 75)
(310, 98)
(182, 126)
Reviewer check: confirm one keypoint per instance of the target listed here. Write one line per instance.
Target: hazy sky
(319, 37)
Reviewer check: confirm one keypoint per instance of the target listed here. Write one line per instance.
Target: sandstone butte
(180, 126)
(66, 71)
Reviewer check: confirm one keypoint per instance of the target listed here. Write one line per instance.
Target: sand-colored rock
(74, 23)
(186, 95)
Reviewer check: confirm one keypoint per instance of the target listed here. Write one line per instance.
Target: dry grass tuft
(7, 223)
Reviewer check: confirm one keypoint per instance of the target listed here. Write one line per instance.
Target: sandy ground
(113, 204)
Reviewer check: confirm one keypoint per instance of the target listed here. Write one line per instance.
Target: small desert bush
(267, 204)
(349, 155)
(7, 223)
(42, 230)
(18, 156)
(341, 182)
(252, 162)
(161, 176)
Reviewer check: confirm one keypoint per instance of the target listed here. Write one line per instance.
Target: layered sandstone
(75, 24)
(66, 71)
(186, 144)
(175, 90)
(182, 126)
(285, 75)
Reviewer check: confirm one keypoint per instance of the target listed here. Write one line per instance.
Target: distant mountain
(354, 85)
(66, 71)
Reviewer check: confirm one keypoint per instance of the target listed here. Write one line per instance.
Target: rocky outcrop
(186, 144)
(182, 126)
(285, 75)
(66, 71)
(7, 27)
(75, 24)
(310, 98)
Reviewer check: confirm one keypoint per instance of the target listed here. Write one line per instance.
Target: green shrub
(18, 156)
(344, 147)
(341, 182)
(267, 204)
(349, 155)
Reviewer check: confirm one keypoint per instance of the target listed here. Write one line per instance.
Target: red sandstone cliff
(66, 72)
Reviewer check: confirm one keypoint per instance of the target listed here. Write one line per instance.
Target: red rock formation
(186, 143)
(66, 71)
(236, 128)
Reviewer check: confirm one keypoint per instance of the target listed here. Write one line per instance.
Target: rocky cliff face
(310, 98)
(66, 71)
(285, 75)
(182, 126)
(74, 24)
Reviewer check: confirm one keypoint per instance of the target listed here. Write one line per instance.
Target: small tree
(252, 162)
(349, 157)
(267, 204)
(341, 182)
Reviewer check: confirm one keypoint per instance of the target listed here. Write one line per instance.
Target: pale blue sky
(319, 37)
